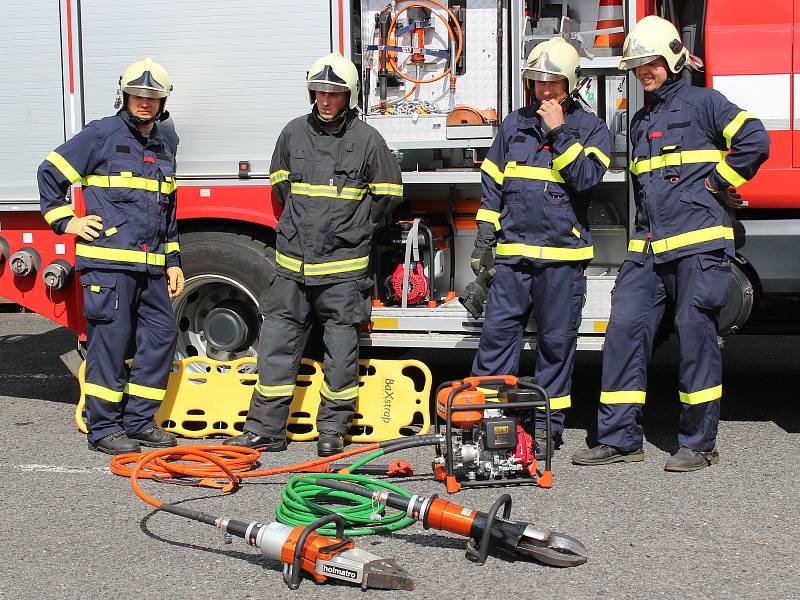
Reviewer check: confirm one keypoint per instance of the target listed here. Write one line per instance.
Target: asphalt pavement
(71, 529)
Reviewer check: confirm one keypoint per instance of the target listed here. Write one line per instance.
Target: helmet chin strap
(138, 121)
(334, 122)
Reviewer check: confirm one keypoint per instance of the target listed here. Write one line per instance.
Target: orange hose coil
(209, 462)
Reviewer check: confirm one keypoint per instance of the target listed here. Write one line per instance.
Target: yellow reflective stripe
(99, 391)
(387, 189)
(488, 392)
(117, 255)
(559, 403)
(336, 266)
(287, 262)
(492, 170)
(576, 233)
(346, 394)
(130, 182)
(692, 237)
(277, 176)
(599, 154)
(545, 252)
(674, 159)
(701, 396)
(489, 216)
(636, 246)
(326, 268)
(110, 231)
(275, 391)
(623, 397)
(144, 391)
(570, 154)
(95, 288)
(172, 247)
(58, 213)
(735, 125)
(526, 172)
(730, 175)
(328, 191)
(62, 164)
(684, 239)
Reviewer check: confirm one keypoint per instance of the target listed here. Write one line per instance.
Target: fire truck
(437, 78)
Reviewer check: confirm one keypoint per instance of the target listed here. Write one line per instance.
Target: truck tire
(226, 272)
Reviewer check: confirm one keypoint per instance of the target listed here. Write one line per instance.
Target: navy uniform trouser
(698, 287)
(126, 309)
(288, 307)
(555, 294)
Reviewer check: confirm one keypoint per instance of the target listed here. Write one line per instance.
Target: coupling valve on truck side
(57, 274)
(25, 261)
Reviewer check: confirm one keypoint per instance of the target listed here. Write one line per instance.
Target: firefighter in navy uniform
(533, 212)
(334, 176)
(128, 256)
(691, 149)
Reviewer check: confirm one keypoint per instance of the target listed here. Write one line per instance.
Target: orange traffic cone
(609, 14)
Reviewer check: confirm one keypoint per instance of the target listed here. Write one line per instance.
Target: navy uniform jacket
(681, 136)
(532, 185)
(331, 187)
(129, 182)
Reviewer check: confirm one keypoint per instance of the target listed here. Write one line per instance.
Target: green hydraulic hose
(303, 502)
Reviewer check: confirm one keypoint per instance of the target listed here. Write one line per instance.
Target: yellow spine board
(206, 397)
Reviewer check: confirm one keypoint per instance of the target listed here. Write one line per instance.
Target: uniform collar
(313, 121)
(665, 93)
(153, 138)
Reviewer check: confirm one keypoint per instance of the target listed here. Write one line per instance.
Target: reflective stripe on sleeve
(730, 175)
(386, 189)
(570, 154)
(277, 176)
(172, 247)
(489, 216)
(62, 164)
(732, 128)
(58, 213)
(493, 171)
(591, 150)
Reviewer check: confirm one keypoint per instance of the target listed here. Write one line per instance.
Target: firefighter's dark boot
(540, 443)
(155, 438)
(258, 442)
(330, 443)
(116, 443)
(686, 459)
(605, 455)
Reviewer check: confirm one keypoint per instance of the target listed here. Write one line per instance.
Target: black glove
(482, 258)
(475, 260)
(726, 196)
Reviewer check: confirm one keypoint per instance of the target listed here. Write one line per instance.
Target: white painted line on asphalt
(35, 376)
(64, 470)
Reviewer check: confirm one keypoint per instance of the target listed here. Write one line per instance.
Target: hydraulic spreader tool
(320, 512)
